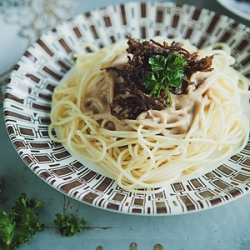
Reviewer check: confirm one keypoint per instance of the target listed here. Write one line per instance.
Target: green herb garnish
(21, 224)
(166, 71)
(68, 224)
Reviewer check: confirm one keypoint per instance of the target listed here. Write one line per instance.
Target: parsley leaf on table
(21, 224)
(68, 224)
(165, 72)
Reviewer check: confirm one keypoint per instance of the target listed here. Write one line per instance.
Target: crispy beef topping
(134, 97)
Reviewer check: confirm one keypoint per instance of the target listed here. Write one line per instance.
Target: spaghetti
(160, 146)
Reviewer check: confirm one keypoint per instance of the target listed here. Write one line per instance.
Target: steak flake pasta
(204, 125)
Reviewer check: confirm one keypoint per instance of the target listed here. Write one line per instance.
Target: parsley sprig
(17, 227)
(68, 224)
(165, 72)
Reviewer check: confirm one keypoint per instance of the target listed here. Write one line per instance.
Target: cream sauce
(97, 103)
(176, 119)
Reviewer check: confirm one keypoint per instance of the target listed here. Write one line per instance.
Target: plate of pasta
(136, 111)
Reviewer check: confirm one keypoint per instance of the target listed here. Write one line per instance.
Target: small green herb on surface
(166, 71)
(21, 224)
(68, 224)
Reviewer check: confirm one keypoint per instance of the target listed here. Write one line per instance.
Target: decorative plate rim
(53, 164)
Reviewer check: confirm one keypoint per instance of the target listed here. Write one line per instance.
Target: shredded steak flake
(132, 72)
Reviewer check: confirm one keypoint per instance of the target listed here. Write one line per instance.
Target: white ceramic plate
(242, 9)
(28, 97)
